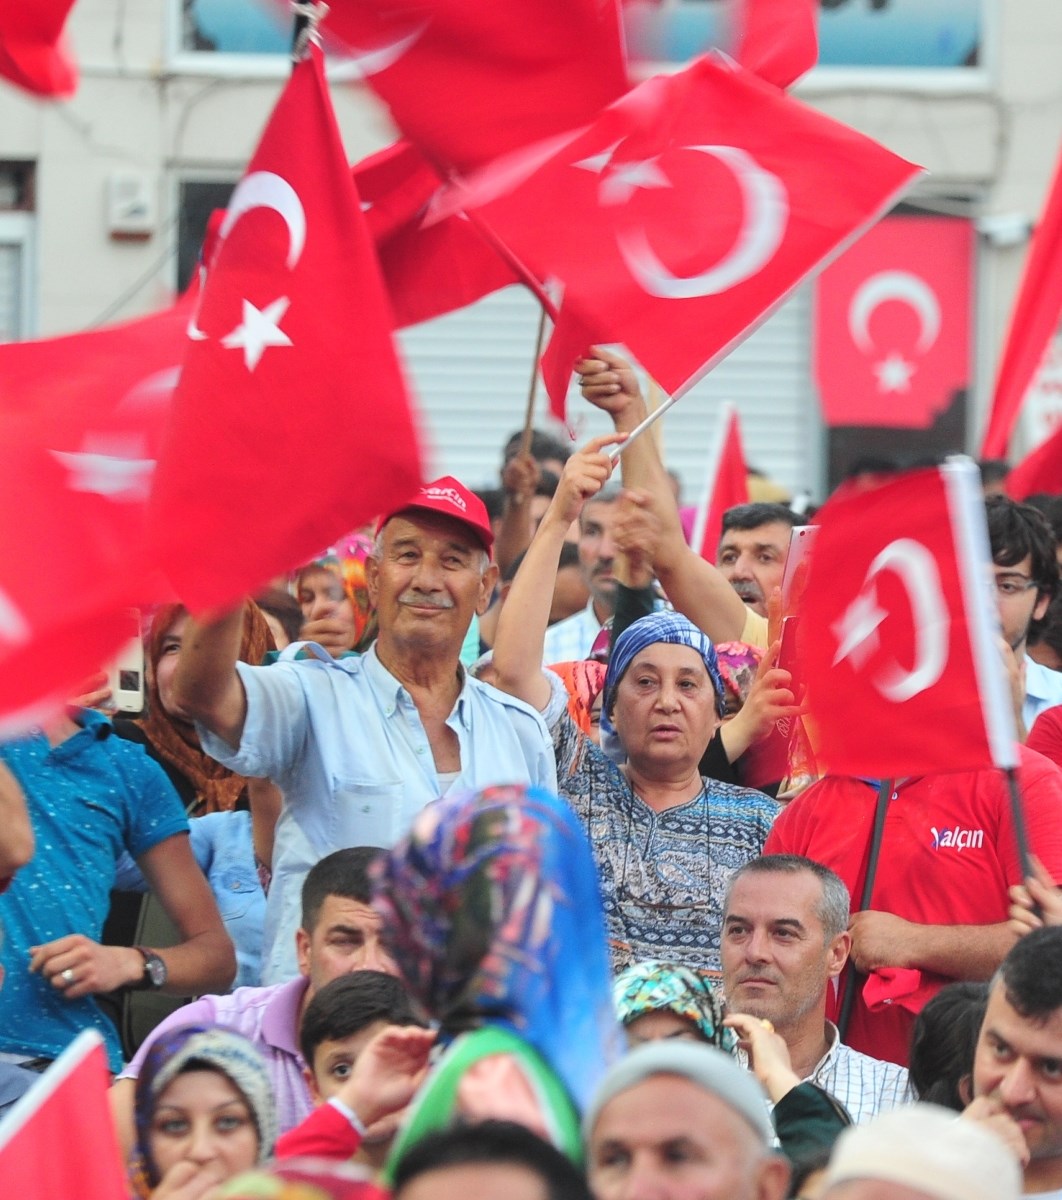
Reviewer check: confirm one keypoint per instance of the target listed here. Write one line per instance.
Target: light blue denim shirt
(344, 741)
(221, 843)
(1043, 689)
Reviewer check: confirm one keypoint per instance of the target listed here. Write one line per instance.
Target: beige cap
(930, 1149)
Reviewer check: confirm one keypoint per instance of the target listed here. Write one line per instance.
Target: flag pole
(638, 430)
(1017, 816)
(308, 15)
(881, 808)
(532, 391)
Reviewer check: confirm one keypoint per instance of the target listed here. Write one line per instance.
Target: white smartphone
(126, 673)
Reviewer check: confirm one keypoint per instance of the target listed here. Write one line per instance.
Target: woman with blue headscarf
(666, 840)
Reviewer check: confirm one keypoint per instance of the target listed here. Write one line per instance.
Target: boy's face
(333, 1061)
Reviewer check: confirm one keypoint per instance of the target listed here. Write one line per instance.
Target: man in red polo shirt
(938, 911)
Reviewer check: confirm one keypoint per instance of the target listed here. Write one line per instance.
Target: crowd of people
(476, 862)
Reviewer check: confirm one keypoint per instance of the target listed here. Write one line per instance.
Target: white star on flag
(626, 178)
(857, 630)
(260, 329)
(97, 468)
(597, 162)
(894, 374)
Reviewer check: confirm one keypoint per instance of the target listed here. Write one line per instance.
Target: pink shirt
(267, 1016)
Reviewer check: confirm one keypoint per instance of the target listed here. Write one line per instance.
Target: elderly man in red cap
(359, 745)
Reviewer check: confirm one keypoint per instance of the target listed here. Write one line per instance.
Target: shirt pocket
(369, 813)
(236, 889)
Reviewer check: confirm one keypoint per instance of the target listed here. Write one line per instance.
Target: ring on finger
(67, 976)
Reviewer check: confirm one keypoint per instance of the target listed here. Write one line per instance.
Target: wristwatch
(155, 973)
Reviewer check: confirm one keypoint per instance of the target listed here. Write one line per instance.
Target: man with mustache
(752, 550)
(785, 941)
(360, 744)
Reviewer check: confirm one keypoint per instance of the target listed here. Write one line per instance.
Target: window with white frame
(16, 251)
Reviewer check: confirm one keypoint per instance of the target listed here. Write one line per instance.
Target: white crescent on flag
(260, 189)
(894, 285)
(856, 631)
(766, 214)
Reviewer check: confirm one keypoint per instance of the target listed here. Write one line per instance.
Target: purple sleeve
(201, 1011)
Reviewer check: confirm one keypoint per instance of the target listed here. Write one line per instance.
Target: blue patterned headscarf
(494, 911)
(674, 630)
(652, 986)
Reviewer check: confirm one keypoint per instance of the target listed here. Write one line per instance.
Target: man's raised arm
(206, 685)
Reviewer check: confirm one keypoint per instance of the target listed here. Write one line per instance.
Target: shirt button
(364, 808)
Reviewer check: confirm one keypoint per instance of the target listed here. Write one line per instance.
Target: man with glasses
(1026, 570)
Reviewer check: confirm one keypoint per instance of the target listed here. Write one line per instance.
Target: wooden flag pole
(532, 391)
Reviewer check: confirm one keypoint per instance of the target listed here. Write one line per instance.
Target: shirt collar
(833, 1039)
(391, 691)
(280, 1021)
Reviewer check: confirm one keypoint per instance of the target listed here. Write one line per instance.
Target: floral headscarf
(648, 987)
(493, 905)
(202, 1047)
(583, 681)
(346, 560)
(738, 664)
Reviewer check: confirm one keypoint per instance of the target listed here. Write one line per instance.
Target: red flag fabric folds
(428, 269)
(897, 633)
(468, 81)
(1040, 471)
(33, 49)
(291, 423)
(727, 484)
(1032, 322)
(81, 425)
(59, 1139)
(777, 40)
(619, 214)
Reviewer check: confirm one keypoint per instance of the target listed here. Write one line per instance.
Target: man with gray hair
(785, 941)
(360, 745)
(677, 1119)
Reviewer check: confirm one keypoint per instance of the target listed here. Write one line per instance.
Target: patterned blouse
(664, 876)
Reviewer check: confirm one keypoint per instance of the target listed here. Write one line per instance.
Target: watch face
(155, 970)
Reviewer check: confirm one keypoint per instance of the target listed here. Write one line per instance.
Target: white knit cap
(705, 1066)
(929, 1149)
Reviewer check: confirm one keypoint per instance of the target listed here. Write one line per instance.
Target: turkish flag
(468, 81)
(892, 323)
(59, 1140)
(428, 268)
(1032, 322)
(727, 484)
(291, 423)
(34, 53)
(1039, 471)
(777, 40)
(81, 426)
(898, 631)
(619, 214)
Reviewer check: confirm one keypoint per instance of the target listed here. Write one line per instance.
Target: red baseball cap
(450, 498)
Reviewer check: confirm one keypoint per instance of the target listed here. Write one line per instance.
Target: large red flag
(892, 323)
(897, 634)
(778, 40)
(291, 423)
(59, 1141)
(81, 425)
(727, 484)
(428, 268)
(469, 81)
(1032, 322)
(33, 48)
(1039, 471)
(619, 214)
